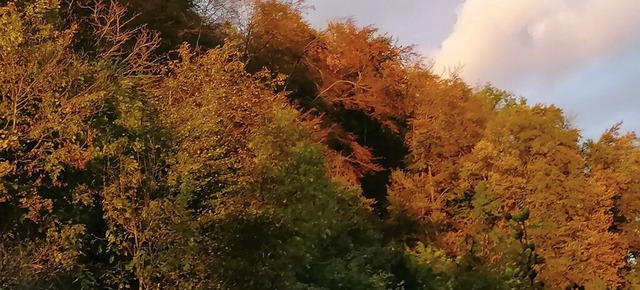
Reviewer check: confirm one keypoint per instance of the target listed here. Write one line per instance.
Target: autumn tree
(265, 207)
(276, 36)
(359, 69)
(447, 121)
(49, 97)
(612, 163)
(529, 158)
(139, 151)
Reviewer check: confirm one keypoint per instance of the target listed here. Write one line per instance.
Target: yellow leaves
(40, 7)
(14, 23)
(583, 250)
(214, 109)
(36, 206)
(417, 194)
(527, 156)
(82, 195)
(446, 123)
(5, 168)
(66, 240)
(276, 35)
(45, 97)
(10, 29)
(437, 259)
(613, 170)
(532, 159)
(25, 261)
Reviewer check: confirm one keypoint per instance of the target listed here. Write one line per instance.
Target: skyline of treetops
(177, 144)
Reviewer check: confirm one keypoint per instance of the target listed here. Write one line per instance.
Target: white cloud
(535, 42)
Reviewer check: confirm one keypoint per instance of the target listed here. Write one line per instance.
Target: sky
(580, 55)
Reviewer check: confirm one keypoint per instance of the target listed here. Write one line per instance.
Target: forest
(209, 144)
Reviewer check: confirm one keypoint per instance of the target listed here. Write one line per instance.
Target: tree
(359, 70)
(529, 158)
(447, 121)
(612, 168)
(268, 162)
(49, 96)
(255, 180)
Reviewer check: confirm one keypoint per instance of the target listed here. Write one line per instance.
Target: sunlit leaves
(360, 70)
(199, 170)
(47, 96)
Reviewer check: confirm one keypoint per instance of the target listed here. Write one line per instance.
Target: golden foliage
(360, 70)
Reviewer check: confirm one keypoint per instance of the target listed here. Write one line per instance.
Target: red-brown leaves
(360, 70)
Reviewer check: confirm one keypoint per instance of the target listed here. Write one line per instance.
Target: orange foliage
(360, 70)
(446, 122)
(530, 158)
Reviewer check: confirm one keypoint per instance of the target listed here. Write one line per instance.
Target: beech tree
(530, 159)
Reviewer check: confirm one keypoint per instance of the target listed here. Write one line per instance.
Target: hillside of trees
(182, 144)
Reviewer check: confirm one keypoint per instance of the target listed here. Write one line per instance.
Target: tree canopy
(230, 145)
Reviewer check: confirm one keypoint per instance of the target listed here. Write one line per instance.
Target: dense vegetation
(158, 144)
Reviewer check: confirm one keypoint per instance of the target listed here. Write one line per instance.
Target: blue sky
(581, 55)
